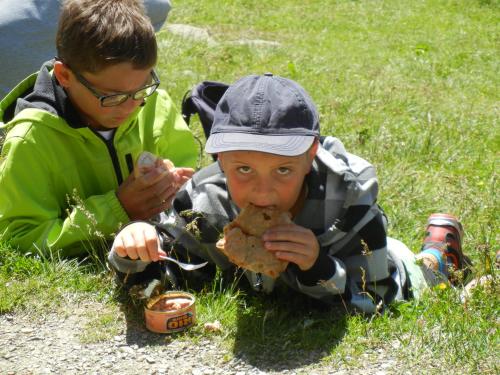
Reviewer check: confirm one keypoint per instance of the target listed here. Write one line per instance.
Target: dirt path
(57, 344)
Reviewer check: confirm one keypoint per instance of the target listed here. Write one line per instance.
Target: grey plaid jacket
(341, 209)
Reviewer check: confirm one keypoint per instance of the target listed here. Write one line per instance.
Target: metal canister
(170, 320)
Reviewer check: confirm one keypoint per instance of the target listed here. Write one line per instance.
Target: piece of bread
(242, 242)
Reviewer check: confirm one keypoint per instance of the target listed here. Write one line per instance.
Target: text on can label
(180, 322)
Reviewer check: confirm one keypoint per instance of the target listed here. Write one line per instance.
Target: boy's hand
(292, 243)
(152, 192)
(138, 241)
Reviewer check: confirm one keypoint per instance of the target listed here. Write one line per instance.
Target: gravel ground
(53, 344)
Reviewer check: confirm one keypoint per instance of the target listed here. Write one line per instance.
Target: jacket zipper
(130, 162)
(113, 155)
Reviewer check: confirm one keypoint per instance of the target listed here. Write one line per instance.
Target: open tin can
(170, 312)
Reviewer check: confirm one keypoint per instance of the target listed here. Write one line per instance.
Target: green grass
(412, 86)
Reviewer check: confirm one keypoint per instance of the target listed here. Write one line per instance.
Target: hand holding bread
(242, 242)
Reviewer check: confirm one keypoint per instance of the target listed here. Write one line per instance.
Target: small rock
(213, 326)
(127, 350)
(34, 338)
(191, 32)
(386, 365)
(255, 43)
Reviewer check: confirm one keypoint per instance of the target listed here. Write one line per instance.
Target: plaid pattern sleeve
(342, 210)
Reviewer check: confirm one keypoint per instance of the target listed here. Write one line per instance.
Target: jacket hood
(40, 91)
(48, 95)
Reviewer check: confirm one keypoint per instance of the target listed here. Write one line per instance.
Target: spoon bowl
(184, 266)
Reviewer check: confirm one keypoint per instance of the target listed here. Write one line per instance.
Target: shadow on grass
(280, 331)
(133, 311)
(136, 332)
(284, 330)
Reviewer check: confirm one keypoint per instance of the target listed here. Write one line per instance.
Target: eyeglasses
(117, 99)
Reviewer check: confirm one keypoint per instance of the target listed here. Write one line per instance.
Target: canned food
(170, 312)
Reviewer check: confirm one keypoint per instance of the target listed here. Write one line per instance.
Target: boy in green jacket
(76, 128)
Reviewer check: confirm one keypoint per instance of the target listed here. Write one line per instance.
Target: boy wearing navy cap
(267, 138)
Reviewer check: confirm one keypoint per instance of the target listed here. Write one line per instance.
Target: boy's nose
(263, 186)
(263, 194)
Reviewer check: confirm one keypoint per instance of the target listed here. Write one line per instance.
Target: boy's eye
(283, 170)
(244, 169)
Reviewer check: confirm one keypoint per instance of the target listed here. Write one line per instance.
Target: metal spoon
(184, 266)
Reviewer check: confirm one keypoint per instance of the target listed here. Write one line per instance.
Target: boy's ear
(62, 73)
(219, 161)
(311, 154)
(313, 150)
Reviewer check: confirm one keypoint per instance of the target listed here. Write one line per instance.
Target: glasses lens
(112, 100)
(144, 92)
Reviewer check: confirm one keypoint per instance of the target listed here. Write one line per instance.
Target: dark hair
(94, 34)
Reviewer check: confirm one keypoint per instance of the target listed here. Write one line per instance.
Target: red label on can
(178, 323)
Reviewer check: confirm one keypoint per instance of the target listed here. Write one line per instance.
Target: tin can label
(178, 323)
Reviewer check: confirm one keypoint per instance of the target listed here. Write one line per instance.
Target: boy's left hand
(292, 243)
(152, 191)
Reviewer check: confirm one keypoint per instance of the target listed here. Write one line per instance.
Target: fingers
(181, 175)
(304, 259)
(292, 243)
(151, 243)
(128, 242)
(143, 203)
(119, 246)
(148, 194)
(138, 241)
(155, 176)
(304, 262)
(168, 184)
(167, 192)
(163, 192)
(299, 254)
(185, 172)
(164, 174)
(296, 236)
(165, 163)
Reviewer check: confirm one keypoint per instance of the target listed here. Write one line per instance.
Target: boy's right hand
(138, 241)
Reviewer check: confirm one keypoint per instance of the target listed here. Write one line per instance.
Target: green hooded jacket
(58, 178)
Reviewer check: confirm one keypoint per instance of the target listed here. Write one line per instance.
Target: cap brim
(286, 145)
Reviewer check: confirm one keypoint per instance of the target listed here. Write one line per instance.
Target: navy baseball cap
(264, 113)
